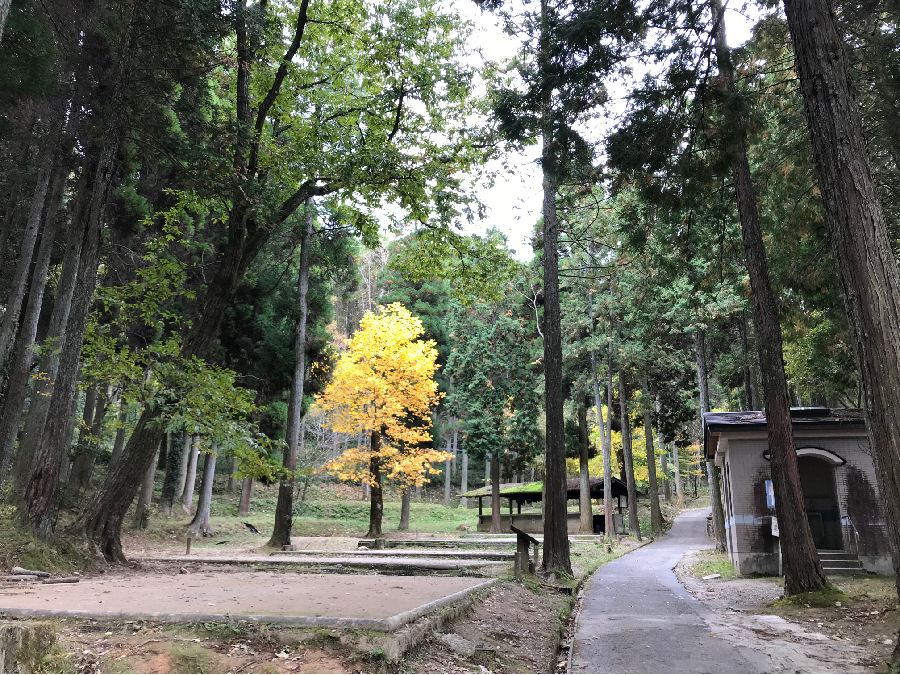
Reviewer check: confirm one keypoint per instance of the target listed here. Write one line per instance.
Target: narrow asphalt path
(637, 617)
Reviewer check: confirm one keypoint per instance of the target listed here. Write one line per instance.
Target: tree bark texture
(174, 464)
(556, 536)
(376, 505)
(83, 463)
(464, 478)
(187, 497)
(20, 366)
(715, 498)
(676, 460)
(495, 493)
(246, 494)
(40, 501)
(584, 493)
(634, 525)
(231, 488)
(656, 521)
(145, 497)
(119, 441)
(663, 458)
(199, 526)
(802, 569)
(860, 241)
(447, 473)
(607, 449)
(183, 467)
(284, 509)
(4, 12)
(404, 510)
(19, 283)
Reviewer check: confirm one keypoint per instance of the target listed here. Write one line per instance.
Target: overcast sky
(515, 200)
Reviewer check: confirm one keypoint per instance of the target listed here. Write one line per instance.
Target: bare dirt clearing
(854, 637)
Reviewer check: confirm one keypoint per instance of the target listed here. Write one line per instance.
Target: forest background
(203, 202)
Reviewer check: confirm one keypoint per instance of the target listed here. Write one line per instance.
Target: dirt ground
(516, 628)
(205, 591)
(857, 636)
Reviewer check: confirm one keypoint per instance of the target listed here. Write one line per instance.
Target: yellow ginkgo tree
(384, 385)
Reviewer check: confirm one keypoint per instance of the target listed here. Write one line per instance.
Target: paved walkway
(637, 617)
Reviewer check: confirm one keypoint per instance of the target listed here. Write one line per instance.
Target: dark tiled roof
(818, 418)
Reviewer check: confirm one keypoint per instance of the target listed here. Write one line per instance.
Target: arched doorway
(820, 501)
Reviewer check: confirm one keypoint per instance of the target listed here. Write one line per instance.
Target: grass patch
(712, 563)
(190, 659)
(18, 547)
(824, 598)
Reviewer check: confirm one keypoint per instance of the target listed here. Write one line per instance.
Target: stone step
(835, 555)
(841, 570)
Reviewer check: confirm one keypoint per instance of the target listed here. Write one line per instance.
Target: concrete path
(637, 617)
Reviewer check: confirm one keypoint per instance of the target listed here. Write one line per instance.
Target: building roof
(715, 423)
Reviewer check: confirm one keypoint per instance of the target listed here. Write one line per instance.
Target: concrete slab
(375, 602)
(299, 561)
(404, 554)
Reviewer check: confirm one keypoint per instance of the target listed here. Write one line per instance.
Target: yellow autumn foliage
(385, 381)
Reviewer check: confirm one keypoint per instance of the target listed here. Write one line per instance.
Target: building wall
(752, 548)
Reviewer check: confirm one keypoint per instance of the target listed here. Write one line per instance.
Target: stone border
(298, 561)
(390, 624)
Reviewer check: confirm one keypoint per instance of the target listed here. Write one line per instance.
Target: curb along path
(637, 617)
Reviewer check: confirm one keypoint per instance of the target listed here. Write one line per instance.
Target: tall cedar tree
(802, 569)
(860, 242)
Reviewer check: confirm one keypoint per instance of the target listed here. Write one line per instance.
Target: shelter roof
(533, 492)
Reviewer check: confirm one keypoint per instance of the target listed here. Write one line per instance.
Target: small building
(530, 493)
(840, 490)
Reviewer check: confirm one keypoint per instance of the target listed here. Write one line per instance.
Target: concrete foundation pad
(291, 559)
(403, 554)
(375, 602)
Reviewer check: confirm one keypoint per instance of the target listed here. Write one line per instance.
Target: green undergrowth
(712, 563)
(824, 598)
(19, 547)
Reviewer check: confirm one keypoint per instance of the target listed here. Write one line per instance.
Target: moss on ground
(824, 598)
(18, 547)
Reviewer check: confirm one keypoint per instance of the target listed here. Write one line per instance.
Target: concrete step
(450, 554)
(842, 570)
(835, 555)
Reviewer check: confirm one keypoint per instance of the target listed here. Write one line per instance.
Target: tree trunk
(584, 494)
(447, 473)
(556, 535)
(175, 470)
(83, 463)
(607, 446)
(199, 526)
(145, 497)
(20, 367)
(464, 478)
(4, 12)
(656, 521)
(187, 497)
(715, 498)
(749, 383)
(40, 501)
(246, 493)
(495, 493)
(860, 241)
(676, 460)
(404, 510)
(231, 488)
(376, 506)
(634, 524)
(183, 466)
(663, 457)
(802, 569)
(119, 442)
(284, 510)
(19, 283)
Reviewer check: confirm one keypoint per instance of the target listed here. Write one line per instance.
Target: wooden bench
(523, 563)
